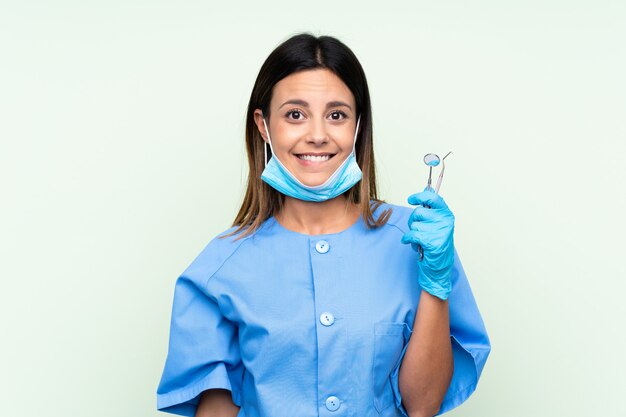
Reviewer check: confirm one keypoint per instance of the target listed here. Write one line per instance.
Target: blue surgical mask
(344, 177)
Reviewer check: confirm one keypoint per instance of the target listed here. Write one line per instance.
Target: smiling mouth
(315, 158)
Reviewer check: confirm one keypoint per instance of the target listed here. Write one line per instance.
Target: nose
(317, 134)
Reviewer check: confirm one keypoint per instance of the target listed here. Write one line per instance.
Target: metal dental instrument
(443, 168)
(433, 160)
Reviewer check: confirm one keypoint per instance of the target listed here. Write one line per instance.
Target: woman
(313, 303)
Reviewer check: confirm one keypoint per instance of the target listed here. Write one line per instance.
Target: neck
(316, 218)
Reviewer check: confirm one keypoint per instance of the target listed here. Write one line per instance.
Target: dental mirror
(431, 160)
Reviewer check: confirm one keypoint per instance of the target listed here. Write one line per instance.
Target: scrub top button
(322, 246)
(327, 319)
(333, 403)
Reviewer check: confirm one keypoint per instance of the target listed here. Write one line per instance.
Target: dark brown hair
(298, 53)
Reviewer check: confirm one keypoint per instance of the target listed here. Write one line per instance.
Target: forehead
(317, 85)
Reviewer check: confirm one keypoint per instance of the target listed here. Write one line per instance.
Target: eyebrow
(306, 104)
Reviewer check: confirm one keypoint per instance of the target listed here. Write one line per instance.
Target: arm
(216, 403)
(427, 367)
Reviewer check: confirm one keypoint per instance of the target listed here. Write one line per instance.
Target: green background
(121, 128)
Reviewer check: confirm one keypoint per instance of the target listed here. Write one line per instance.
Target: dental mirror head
(431, 159)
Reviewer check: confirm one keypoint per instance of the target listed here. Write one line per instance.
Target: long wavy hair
(298, 53)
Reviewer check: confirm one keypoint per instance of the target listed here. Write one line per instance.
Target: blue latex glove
(432, 227)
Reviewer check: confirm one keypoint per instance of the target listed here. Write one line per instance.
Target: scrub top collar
(272, 223)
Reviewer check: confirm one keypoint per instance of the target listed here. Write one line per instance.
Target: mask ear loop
(356, 133)
(265, 143)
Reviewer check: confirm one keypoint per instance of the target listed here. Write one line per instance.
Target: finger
(408, 238)
(427, 198)
(424, 197)
(426, 228)
(413, 236)
(421, 214)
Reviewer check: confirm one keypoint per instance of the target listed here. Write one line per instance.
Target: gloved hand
(432, 227)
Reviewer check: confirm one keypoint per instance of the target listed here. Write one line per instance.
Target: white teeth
(316, 158)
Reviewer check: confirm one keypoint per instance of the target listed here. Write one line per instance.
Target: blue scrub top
(309, 325)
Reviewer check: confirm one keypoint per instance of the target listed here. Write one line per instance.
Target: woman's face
(311, 125)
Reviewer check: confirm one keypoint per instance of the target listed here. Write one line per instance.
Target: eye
(339, 114)
(297, 114)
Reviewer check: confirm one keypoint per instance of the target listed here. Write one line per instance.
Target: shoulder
(213, 256)
(399, 218)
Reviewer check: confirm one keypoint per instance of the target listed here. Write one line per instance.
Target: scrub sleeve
(203, 350)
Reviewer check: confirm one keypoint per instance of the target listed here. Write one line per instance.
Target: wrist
(438, 288)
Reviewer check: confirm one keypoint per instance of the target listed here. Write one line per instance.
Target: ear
(258, 120)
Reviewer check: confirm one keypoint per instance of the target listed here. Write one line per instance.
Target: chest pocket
(388, 345)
